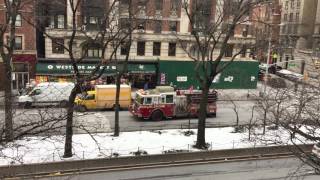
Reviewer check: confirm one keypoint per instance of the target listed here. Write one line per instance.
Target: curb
(83, 165)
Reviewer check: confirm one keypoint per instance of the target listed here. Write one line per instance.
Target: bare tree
(112, 35)
(131, 23)
(108, 36)
(211, 34)
(7, 48)
(295, 117)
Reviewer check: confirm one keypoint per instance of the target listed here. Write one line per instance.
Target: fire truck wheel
(157, 116)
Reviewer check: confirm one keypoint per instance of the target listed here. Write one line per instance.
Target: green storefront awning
(67, 69)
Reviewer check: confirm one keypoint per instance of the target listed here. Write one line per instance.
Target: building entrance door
(19, 80)
(20, 76)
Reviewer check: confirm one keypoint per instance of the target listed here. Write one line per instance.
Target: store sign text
(182, 78)
(80, 67)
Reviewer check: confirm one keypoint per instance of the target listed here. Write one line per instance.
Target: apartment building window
(58, 46)
(292, 4)
(297, 16)
(94, 52)
(142, 25)
(93, 20)
(298, 3)
(172, 49)
(286, 5)
(289, 29)
(245, 31)
(156, 48)
(158, 4)
(17, 43)
(61, 21)
(285, 17)
(18, 20)
(295, 29)
(124, 2)
(124, 48)
(243, 51)
(229, 50)
(173, 26)
(142, 7)
(175, 5)
(157, 26)
(284, 30)
(124, 23)
(141, 47)
(291, 17)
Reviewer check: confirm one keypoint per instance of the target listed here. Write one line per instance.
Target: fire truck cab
(157, 106)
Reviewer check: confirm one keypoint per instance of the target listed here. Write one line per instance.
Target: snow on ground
(39, 149)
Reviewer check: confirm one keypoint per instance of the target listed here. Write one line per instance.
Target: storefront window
(20, 67)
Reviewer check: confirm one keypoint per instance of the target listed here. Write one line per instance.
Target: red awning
(24, 58)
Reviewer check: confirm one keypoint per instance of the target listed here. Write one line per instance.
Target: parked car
(273, 68)
(45, 94)
(290, 75)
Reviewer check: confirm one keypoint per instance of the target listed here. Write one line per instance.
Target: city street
(286, 168)
(103, 121)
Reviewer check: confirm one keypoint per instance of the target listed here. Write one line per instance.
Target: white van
(45, 94)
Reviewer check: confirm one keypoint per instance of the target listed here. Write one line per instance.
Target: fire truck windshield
(139, 99)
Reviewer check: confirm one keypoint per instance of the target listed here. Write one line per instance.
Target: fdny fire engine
(157, 105)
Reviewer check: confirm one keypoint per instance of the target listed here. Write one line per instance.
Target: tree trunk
(264, 121)
(202, 113)
(277, 117)
(69, 124)
(8, 102)
(117, 107)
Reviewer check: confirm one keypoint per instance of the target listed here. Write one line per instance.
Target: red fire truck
(157, 106)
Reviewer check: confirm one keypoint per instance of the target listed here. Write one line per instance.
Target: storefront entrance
(138, 74)
(20, 76)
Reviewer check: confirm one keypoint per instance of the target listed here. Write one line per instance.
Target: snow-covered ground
(39, 149)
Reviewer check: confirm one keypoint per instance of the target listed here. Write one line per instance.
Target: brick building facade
(25, 55)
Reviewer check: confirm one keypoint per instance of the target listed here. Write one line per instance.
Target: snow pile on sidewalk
(39, 149)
